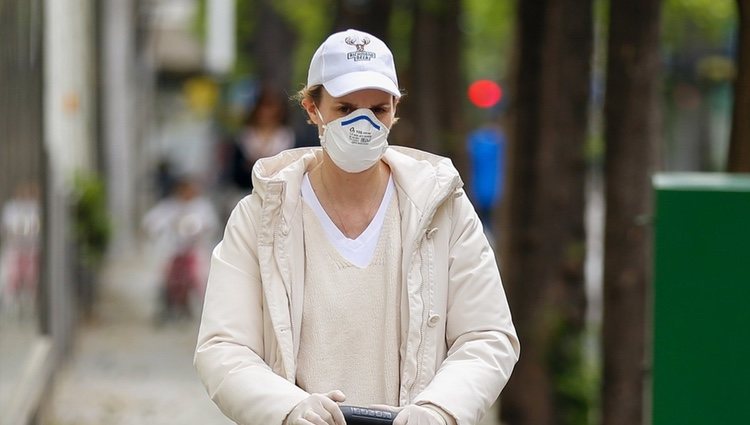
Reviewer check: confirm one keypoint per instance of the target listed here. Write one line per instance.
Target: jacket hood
(421, 176)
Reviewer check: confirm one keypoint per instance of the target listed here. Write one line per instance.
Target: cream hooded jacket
(458, 346)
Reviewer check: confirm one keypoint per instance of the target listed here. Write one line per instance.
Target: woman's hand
(413, 415)
(318, 409)
(418, 415)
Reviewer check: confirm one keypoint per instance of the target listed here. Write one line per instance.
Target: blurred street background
(129, 128)
(124, 367)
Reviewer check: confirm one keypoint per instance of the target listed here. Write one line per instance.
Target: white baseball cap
(353, 60)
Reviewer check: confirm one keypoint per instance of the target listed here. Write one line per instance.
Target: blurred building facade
(86, 90)
(21, 169)
(48, 131)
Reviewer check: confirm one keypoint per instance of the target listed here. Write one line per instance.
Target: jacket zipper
(420, 346)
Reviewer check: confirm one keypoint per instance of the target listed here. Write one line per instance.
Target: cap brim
(354, 81)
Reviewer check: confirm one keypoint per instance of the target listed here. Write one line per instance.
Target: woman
(266, 133)
(354, 273)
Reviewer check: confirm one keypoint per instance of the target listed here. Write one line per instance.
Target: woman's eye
(345, 109)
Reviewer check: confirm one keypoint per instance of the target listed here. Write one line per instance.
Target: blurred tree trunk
(632, 131)
(372, 16)
(273, 46)
(543, 241)
(433, 105)
(739, 144)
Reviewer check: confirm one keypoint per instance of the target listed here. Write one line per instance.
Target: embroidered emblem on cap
(360, 54)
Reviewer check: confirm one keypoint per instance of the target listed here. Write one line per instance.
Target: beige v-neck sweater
(350, 332)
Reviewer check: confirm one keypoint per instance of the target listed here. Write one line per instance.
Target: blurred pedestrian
(183, 228)
(19, 257)
(266, 132)
(355, 273)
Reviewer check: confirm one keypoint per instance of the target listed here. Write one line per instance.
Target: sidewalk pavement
(125, 369)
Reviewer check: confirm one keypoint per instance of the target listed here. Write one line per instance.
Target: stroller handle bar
(355, 415)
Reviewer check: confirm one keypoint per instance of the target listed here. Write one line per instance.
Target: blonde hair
(313, 92)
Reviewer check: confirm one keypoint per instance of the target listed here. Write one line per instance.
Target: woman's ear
(309, 106)
(395, 110)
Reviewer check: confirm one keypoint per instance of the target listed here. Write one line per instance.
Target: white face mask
(355, 142)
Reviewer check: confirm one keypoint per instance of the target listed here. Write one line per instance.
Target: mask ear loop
(324, 126)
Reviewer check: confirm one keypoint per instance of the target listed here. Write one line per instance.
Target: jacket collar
(423, 179)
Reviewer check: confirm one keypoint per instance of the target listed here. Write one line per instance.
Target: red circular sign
(485, 93)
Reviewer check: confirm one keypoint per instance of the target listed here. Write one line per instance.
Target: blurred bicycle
(183, 226)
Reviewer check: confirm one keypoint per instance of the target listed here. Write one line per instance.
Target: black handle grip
(355, 415)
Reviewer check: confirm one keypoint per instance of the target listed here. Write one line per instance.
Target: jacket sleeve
(230, 347)
(482, 344)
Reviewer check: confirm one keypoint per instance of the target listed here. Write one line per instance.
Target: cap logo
(360, 54)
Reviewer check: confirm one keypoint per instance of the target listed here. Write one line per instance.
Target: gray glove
(318, 409)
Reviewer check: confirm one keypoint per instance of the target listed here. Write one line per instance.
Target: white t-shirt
(360, 250)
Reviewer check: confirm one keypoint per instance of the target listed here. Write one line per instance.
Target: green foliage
(199, 20)
(488, 32)
(399, 31)
(593, 148)
(245, 28)
(312, 19)
(575, 378)
(91, 224)
(687, 20)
